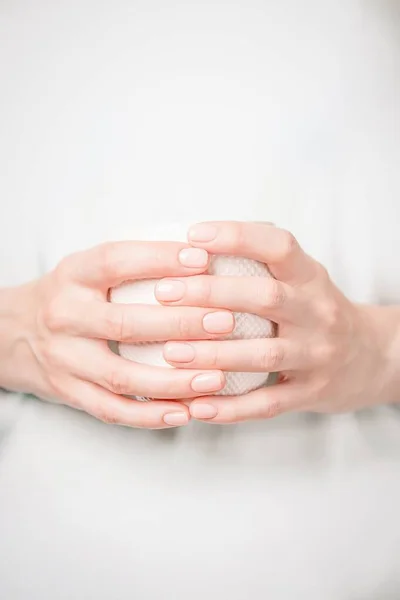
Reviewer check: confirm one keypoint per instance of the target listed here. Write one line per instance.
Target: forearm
(16, 358)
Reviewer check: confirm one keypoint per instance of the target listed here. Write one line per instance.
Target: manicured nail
(219, 322)
(264, 223)
(176, 419)
(202, 233)
(193, 257)
(176, 352)
(170, 290)
(203, 411)
(207, 382)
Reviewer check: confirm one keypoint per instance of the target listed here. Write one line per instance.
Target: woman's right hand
(67, 322)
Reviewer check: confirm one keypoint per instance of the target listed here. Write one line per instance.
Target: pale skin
(332, 355)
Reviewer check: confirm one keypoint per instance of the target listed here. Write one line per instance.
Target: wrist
(17, 322)
(385, 335)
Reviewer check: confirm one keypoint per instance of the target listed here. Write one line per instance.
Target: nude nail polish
(176, 419)
(207, 382)
(193, 258)
(170, 290)
(219, 322)
(203, 232)
(177, 352)
(203, 411)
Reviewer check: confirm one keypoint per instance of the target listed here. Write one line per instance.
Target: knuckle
(115, 324)
(202, 289)
(230, 413)
(271, 357)
(54, 316)
(118, 382)
(111, 324)
(181, 327)
(272, 409)
(213, 355)
(172, 388)
(329, 313)
(107, 415)
(109, 259)
(327, 353)
(286, 243)
(237, 236)
(65, 268)
(151, 419)
(161, 255)
(274, 295)
(322, 273)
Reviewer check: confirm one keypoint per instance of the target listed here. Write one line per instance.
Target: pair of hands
(328, 350)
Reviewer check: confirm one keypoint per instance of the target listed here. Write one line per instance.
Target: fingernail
(207, 382)
(264, 223)
(203, 411)
(218, 322)
(202, 233)
(177, 352)
(170, 291)
(176, 419)
(193, 257)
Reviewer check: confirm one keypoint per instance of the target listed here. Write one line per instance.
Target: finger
(113, 409)
(94, 362)
(112, 263)
(247, 356)
(265, 403)
(137, 323)
(273, 246)
(263, 296)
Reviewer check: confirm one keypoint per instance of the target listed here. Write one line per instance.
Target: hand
(331, 354)
(60, 326)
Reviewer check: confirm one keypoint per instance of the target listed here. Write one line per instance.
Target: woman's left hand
(331, 354)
